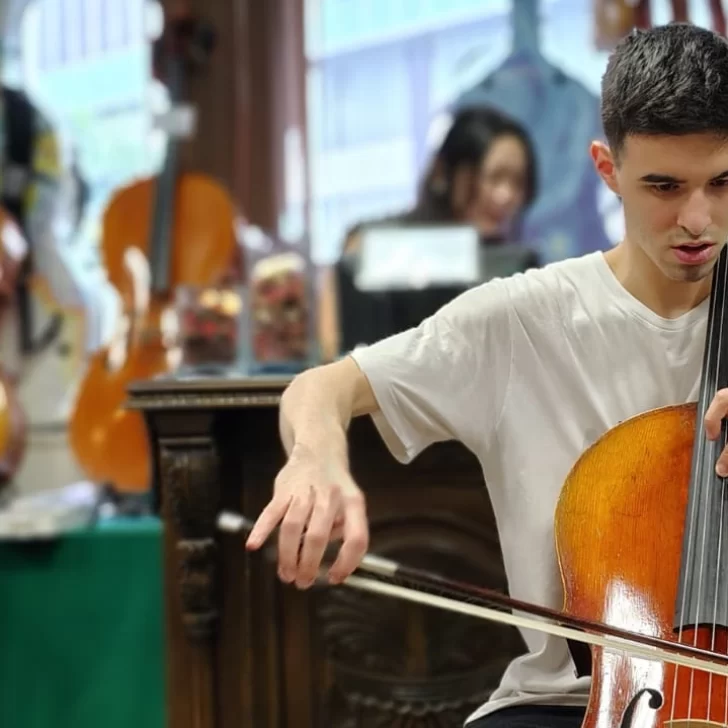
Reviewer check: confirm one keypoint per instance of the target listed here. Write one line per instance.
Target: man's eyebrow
(661, 179)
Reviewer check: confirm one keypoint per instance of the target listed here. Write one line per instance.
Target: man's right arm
(319, 404)
(444, 379)
(315, 498)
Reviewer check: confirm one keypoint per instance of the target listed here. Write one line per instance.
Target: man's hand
(315, 501)
(714, 416)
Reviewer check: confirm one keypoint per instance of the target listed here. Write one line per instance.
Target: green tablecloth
(81, 629)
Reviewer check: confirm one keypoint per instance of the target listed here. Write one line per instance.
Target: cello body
(619, 527)
(13, 421)
(176, 229)
(109, 441)
(13, 430)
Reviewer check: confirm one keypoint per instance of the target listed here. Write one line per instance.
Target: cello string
(719, 555)
(699, 460)
(724, 557)
(719, 377)
(704, 480)
(715, 605)
(706, 475)
(723, 441)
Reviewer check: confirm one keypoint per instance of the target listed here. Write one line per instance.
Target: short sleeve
(446, 379)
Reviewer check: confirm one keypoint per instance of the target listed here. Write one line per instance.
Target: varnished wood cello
(14, 250)
(641, 530)
(190, 241)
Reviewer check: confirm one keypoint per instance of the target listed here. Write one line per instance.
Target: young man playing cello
(528, 371)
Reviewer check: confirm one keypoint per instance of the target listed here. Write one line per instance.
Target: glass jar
(208, 327)
(279, 318)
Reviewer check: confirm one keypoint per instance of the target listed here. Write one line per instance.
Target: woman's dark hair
(466, 144)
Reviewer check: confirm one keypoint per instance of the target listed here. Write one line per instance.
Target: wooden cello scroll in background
(613, 20)
(158, 234)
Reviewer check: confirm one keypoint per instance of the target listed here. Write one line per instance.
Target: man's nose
(694, 216)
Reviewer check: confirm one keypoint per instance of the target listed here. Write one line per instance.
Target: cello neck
(525, 22)
(164, 205)
(183, 49)
(703, 587)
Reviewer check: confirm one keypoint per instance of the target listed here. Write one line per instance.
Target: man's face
(675, 195)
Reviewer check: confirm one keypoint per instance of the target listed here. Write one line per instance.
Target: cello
(14, 251)
(158, 234)
(639, 534)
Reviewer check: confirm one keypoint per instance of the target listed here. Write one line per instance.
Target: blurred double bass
(158, 234)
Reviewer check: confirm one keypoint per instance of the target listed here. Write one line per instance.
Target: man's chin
(690, 273)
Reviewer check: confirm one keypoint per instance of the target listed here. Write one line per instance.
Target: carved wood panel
(188, 471)
(371, 661)
(395, 664)
(245, 650)
(191, 476)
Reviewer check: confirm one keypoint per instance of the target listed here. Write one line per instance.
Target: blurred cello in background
(14, 250)
(177, 229)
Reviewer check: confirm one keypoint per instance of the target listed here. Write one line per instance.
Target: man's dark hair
(672, 79)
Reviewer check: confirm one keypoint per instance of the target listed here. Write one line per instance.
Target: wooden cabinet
(245, 650)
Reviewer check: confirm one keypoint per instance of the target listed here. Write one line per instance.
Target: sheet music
(412, 258)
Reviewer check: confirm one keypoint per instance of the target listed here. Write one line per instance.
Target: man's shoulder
(566, 269)
(538, 295)
(548, 284)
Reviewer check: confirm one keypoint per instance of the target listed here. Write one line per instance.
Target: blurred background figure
(483, 175)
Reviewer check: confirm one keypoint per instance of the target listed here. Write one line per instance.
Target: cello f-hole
(655, 703)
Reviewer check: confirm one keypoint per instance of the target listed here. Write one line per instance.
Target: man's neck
(644, 280)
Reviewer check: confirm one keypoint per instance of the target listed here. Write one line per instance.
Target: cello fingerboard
(161, 230)
(702, 598)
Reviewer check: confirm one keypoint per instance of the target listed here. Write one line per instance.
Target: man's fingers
(269, 518)
(317, 537)
(721, 467)
(337, 530)
(356, 539)
(715, 413)
(290, 533)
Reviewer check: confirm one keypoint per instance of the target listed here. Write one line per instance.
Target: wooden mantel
(245, 650)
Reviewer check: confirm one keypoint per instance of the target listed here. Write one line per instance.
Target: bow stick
(434, 590)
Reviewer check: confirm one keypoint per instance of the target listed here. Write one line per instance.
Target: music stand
(401, 276)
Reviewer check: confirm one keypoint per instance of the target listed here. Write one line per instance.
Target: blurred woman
(484, 174)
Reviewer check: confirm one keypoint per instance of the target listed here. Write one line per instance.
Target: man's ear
(605, 165)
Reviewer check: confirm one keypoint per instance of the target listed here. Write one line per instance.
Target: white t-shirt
(527, 372)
